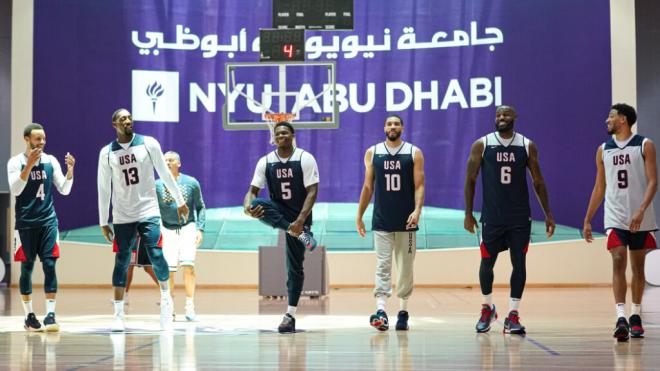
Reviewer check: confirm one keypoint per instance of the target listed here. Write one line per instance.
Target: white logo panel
(155, 96)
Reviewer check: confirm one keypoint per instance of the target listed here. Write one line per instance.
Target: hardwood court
(567, 329)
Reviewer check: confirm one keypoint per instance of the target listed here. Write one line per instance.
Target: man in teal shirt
(181, 240)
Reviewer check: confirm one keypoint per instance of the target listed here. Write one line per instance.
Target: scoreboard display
(313, 14)
(281, 45)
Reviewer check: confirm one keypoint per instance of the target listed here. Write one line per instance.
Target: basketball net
(273, 119)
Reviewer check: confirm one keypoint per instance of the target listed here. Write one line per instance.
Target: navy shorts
(146, 230)
(496, 238)
(635, 241)
(139, 256)
(32, 242)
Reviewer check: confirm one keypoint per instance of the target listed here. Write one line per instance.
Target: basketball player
(181, 240)
(292, 178)
(627, 178)
(504, 158)
(394, 171)
(32, 175)
(126, 172)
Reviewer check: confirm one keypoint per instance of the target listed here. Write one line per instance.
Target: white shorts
(179, 246)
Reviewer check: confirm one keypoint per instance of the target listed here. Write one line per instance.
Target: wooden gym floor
(567, 329)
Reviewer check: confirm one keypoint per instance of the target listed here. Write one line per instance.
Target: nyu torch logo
(155, 96)
(154, 91)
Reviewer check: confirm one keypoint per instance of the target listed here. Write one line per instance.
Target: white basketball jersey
(625, 179)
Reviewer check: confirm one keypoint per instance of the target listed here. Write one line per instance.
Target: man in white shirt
(126, 172)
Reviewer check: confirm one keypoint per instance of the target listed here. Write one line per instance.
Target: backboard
(255, 91)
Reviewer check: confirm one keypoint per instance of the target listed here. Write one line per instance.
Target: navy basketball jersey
(286, 183)
(394, 185)
(34, 206)
(504, 180)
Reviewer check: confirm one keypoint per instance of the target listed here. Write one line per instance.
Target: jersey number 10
(392, 182)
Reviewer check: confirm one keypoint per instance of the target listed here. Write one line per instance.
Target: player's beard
(505, 128)
(392, 136)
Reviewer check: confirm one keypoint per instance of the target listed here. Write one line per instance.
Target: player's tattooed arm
(597, 196)
(540, 188)
(473, 165)
(366, 193)
(651, 185)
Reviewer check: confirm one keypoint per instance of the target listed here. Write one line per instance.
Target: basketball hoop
(274, 118)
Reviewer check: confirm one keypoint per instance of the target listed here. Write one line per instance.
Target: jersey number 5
(131, 176)
(286, 191)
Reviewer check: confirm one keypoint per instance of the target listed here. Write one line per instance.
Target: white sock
(291, 310)
(403, 304)
(50, 306)
(27, 307)
(380, 302)
(488, 300)
(620, 310)
(514, 304)
(636, 309)
(190, 301)
(164, 289)
(119, 307)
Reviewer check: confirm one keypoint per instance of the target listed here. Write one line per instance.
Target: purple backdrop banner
(442, 66)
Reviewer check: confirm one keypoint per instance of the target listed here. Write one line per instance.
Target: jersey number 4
(131, 175)
(41, 193)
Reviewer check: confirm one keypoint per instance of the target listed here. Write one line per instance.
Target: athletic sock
(488, 300)
(27, 307)
(50, 306)
(620, 310)
(514, 304)
(164, 289)
(119, 307)
(635, 309)
(403, 304)
(380, 302)
(291, 310)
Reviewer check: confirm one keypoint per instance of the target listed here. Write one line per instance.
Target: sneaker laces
(485, 313)
(514, 318)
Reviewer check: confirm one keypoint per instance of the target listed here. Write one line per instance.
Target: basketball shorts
(634, 241)
(139, 255)
(179, 246)
(147, 230)
(32, 242)
(496, 238)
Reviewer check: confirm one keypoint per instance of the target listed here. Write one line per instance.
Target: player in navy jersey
(292, 177)
(394, 171)
(627, 178)
(504, 158)
(126, 178)
(32, 175)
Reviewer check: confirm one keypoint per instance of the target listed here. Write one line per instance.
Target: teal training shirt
(192, 194)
